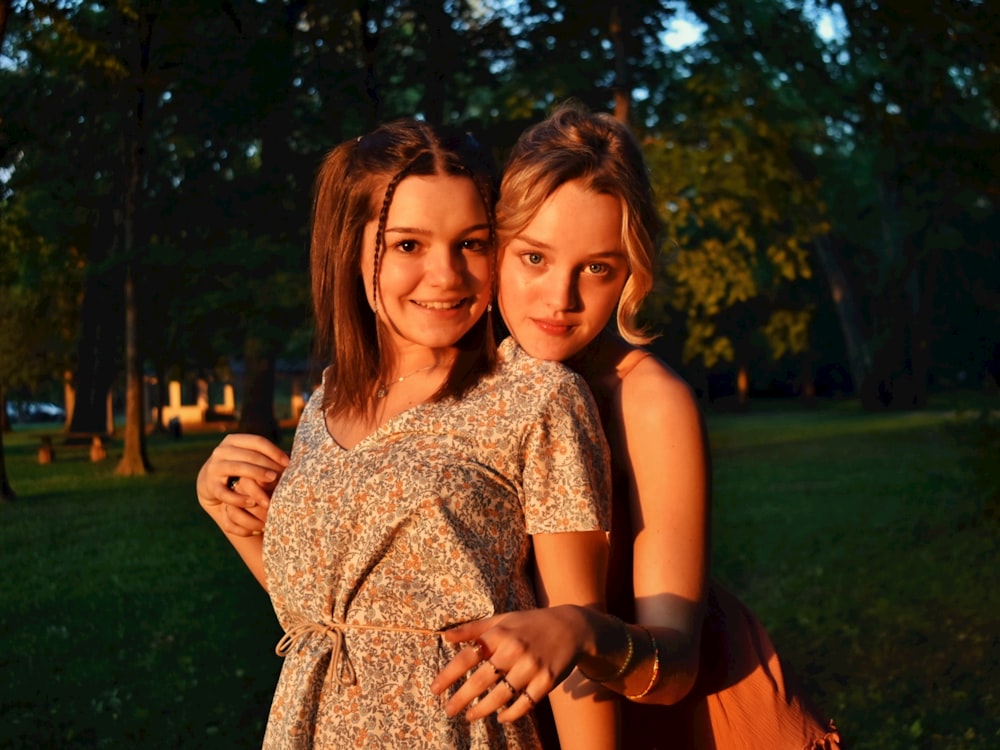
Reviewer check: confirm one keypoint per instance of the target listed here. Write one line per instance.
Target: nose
(561, 293)
(445, 267)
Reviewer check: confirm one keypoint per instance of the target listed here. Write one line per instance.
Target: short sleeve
(566, 476)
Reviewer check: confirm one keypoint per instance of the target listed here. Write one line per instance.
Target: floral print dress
(424, 524)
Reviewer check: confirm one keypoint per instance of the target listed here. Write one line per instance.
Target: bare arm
(571, 569)
(240, 511)
(661, 442)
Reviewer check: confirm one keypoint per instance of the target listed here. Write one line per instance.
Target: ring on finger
(496, 670)
(231, 483)
(524, 694)
(513, 690)
(480, 648)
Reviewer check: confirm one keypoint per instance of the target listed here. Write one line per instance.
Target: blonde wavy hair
(577, 144)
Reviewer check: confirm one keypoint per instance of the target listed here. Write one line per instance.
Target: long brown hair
(355, 185)
(576, 144)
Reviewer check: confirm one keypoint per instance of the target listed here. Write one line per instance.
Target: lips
(441, 305)
(552, 327)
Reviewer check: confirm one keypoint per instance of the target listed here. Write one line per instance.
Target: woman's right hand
(254, 464)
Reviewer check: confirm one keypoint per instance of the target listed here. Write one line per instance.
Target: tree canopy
(814, 161)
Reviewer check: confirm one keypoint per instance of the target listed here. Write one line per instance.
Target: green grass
(126, 622)
(863, 542)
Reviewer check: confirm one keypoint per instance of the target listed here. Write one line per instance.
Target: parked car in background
(35, 411)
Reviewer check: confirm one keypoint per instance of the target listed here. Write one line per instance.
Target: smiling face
(562, 276)
(434, 271)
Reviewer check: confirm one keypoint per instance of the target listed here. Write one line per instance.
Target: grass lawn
(862, 541)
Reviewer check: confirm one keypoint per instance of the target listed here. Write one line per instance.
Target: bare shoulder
(652, 392)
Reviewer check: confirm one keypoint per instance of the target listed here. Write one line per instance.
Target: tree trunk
(437, 22)
(162, 398)
(100, 334)
(4, 13)
(890, 384)
(6, 491)
(134, 461)
(622, 90)
(257, 414)
(807, 380)
(859, 356)
(5, 425)
(920, 353)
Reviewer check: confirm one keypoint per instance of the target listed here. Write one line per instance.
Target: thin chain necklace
(383, 389)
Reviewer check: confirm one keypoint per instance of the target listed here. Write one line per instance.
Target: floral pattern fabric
(422, 525)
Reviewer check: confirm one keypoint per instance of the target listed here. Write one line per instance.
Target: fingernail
(271, 475)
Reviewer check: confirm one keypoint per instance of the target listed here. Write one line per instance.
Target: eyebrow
(616, 253)
(424, 231)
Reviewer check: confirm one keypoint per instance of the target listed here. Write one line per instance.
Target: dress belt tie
(341, 668)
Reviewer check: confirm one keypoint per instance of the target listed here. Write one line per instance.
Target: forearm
(571, 570)
(586, 714)
(249, 548)
(647, 664)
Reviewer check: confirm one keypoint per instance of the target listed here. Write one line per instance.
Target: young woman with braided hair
(424, 472)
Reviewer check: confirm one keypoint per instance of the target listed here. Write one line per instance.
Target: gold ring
(524, 694)
(480, 648)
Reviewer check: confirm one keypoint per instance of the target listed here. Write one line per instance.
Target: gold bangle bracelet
(629, 653)
(655, 676)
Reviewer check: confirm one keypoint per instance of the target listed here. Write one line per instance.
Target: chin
(554, 352)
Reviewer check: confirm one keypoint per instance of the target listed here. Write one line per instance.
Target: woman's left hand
(519, 657)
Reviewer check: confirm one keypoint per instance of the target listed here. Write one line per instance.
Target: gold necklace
(383, 390)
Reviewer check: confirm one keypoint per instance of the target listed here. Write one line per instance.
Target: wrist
(612, 651)
(654, 673)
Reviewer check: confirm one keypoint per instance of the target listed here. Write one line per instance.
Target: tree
(902, 106)
(41, 283)
(134, 461)
(922, 88)
(739, 221)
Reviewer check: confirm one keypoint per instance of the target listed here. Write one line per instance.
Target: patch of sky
(828, 19)
(683, 30)
(686, 30)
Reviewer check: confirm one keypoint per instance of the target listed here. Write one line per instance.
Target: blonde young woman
(577, 227)
(425, 471)
(694, 668)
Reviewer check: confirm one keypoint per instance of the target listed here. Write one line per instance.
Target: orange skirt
(743, 699)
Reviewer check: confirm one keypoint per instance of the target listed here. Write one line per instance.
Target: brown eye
(475, 246)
